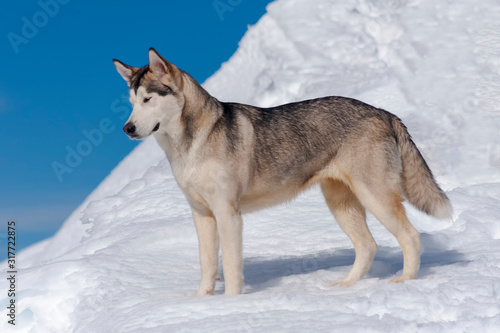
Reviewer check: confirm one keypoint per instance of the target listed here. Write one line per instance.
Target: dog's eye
(146, 99)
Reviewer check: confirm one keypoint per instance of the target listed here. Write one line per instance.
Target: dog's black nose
(129, 128)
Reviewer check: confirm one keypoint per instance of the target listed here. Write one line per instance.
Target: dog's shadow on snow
(261, 273)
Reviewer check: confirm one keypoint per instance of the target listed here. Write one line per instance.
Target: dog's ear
(125, 71)
(164, 71)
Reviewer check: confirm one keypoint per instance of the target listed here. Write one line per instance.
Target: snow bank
(127, 259)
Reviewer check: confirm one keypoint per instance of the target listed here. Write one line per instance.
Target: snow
(127, 259)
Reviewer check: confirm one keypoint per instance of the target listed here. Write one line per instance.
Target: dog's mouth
(156, 128)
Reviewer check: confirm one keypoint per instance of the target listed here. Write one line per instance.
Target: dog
(231, 158)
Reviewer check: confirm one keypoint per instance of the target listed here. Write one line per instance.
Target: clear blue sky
(57, 80)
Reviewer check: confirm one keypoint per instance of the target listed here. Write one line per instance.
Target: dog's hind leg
(351, 217)
(385, 203)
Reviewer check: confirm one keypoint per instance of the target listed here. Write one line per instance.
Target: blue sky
(57, 83)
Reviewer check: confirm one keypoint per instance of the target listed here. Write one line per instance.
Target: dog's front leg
(208, 239)
(230, 226)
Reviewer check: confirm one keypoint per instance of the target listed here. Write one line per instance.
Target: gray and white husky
(231, 158)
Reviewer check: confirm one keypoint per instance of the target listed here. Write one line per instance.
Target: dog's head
(155, 94)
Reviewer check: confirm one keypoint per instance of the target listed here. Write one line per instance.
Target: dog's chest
(201, 178)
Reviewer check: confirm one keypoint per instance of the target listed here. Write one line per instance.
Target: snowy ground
(127, 259)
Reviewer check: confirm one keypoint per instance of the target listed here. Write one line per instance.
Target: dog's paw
(202, 293)
(344, 283)
(401, 279)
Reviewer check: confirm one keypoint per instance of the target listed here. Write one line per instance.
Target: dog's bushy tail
(419, 184)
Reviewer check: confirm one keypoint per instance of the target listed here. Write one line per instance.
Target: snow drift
(127, 259)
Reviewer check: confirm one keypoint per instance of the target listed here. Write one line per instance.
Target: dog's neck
(191, 127)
